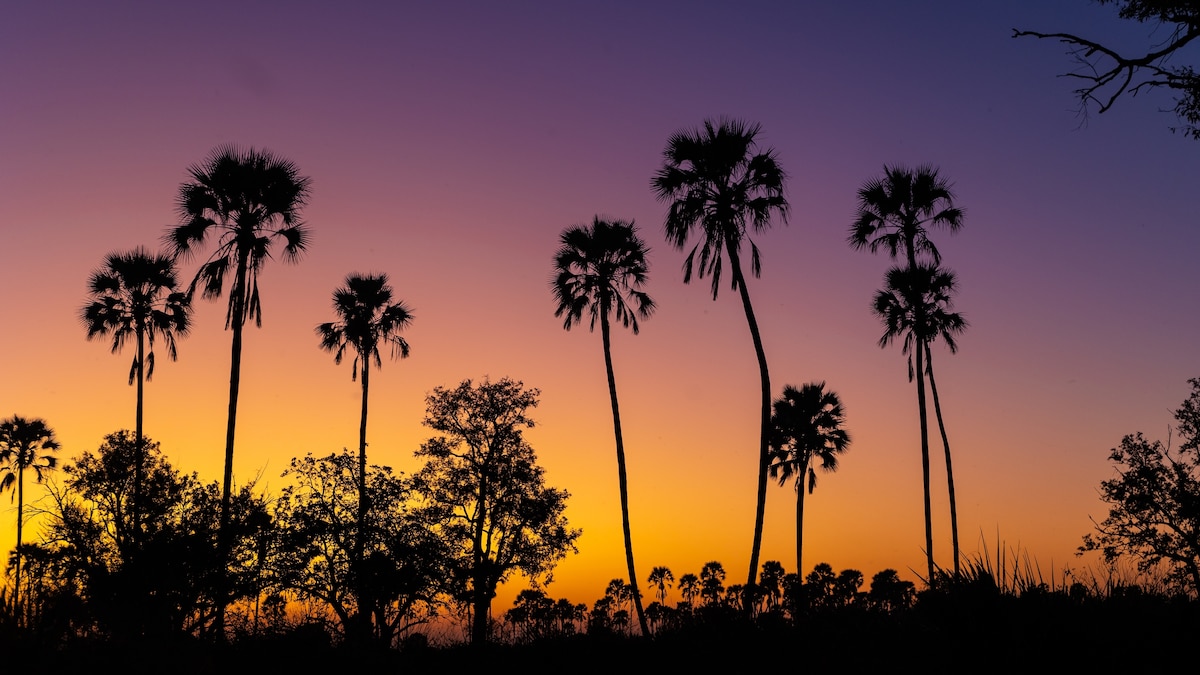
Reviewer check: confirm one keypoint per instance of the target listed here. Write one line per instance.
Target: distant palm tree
(896, 212)
(600, 269)
(368, 318)
(661, 578)
(689, 587)
(24, 445)
(914, 305)
(133, 296)
(247, 200)
(721, 187)
(712, 582)
(771, 581)
(807, 426)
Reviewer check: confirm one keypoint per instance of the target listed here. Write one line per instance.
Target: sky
(450, 143)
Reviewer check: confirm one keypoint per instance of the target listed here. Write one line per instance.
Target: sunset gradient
(450, 143)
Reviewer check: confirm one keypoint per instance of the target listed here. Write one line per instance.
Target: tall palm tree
(368, 319)
(807, 426)
(247, 201)
(133, 296)
(600, 269)
(895, 213)
(941, 322)
(25, 444)
(914, 305)
(721, 187)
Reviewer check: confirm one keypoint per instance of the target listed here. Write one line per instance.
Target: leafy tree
(161, 576)
(895, 213)
(1106, 74)
(402, 563)
(368, 318)
(482, 485)
(807, 424)
(133, 296)
(600, 269)
(720, 187)
(889, 593)
(661, 579)
(25, 445)
(1154, 501)
(248, 201)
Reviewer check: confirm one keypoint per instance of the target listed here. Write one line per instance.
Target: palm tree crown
(248, 200)
(895, 211)
(718, 182)
(808, 426)
(914, 305)
(133, 296)
(600, 269)
(369, 318)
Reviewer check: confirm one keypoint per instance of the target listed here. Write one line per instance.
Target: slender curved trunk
(765, 425)
(20, 526)
(921, 407)
(363, 620)
(140, 458)
(937, 410)
(621, 478)
(224, 543)
(801, 484)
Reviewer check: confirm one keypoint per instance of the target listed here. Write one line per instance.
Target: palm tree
(712, 578)
(133, 296)
(368, 319)
(914, 304)
(721, 187)
(24, 444)
(600, 269)
(896, 212)
(661, 578)
(689, 587)
(807, 426)
(248, 201)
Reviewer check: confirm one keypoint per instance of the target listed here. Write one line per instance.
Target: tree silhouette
(247, 200)
(807, 426)
(721, 187)
(895, 213)
(712, 582)
(25, 444)
(133, 296)
(1107, 74)
(368, 318)
(483, 487)
(915, 305)
(940, 322)
(689, 587)
(600, 269)
(661, 579)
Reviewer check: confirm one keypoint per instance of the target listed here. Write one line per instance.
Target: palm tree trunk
(224, 543)
(360, 543)
(800, 490)
(937, 409)
(621, 477)
(20, 525)
(765, 426)
(920, 348)
(139, 458)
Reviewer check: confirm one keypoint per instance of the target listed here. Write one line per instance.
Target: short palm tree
(712, 582)
(247, 201)
(133, 296)
(720, 188)
(896, 212)
(600, 269)
(689, 587)
(25, 444)
(807, 426)
(914, 305)
(661, 579)
(368, 319)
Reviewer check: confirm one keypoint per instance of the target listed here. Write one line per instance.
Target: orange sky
(449, 149)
